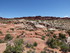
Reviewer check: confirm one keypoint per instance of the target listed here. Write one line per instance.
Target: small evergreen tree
(35, 44)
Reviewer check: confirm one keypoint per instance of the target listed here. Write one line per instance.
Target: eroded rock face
(68, 40)
(62, 24)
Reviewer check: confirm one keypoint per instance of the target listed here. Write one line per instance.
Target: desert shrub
(55, 52)
(62, 36)
(36, 33)
(12, 29)
(51, 32)
(32, 47)
(8, 37)
(9, 49)
(17, 48)
(48, 34)
(1, 41)
(43, 38)
(15, 23)
(28, 45)
(31, 30)
(18, 42)
(64, 47)
(17, 36)
(54, 36)
(35, 44)
(53, 43)
(43, 51)
(68, 32)
(30, 51)
(0, 32)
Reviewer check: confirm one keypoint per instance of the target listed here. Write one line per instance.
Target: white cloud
(66, 16)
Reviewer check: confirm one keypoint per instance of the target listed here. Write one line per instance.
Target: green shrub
(8, 37)
(62, 36)
(43, 38)
(35, 44)
(18, 42)
(30, 51)
(54, 36)
(16, 48)
(64, 47)
(12, 29)
(1, 41)
(43, 51)
(48, 35)
(28, 45)
(68, 32)
(51, 32)
(18, 36)
(52, 43)
(0, 32)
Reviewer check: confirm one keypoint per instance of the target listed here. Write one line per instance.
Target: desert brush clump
(29, 45)
(12, 29)
(8, 37)
(54, 42)
(43, 38)
(62, 36)
(68, 32)
(35, 44)
(1, 32)
(16, 48)
(1, 41)
(43, 51)
(30, 51)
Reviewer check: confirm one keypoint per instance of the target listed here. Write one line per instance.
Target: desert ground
(32, 31)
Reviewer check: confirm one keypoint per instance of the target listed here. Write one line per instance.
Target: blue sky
(19, 8)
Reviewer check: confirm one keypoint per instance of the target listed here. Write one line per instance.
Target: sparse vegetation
(33, 35)
(17, 48)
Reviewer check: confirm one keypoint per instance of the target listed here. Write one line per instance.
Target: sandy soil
(2, 47)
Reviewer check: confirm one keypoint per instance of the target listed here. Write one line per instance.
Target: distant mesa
(37, 18)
